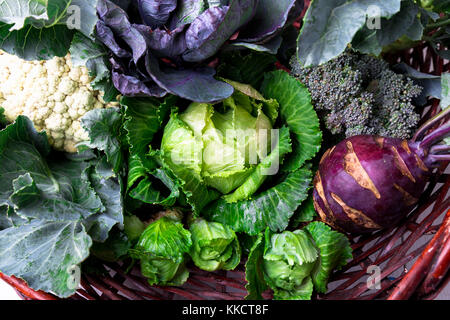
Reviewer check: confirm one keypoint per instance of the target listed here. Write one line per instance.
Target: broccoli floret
(359, 94)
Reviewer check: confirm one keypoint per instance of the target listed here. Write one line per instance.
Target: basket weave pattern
(393, 249)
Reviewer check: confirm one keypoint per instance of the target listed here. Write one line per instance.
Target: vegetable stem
(439, 157)
(438, 24)
(439, 148)
(435, 136)
(430, 123)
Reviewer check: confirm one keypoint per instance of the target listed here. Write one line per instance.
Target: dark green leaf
(297, 113)
(305, 213)
(108, 188)
(249, 68)
(45, 254)
(254, 273)
(334, 249)
(330, 25)
(103, 127)
(271, 208)
(405, 21)
(114, 248)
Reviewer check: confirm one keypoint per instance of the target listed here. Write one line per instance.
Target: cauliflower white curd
(53, 94)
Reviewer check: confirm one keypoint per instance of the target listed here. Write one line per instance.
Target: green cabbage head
(288, 261)
(162, 249)
(219, 145)
(214, 246)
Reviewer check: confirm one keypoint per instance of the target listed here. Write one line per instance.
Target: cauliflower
(54, 94)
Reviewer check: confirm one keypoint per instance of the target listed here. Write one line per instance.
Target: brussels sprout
(162, 249)
(214, 246)
(289, 258)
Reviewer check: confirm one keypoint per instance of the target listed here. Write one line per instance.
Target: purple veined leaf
(131, 85)
(197, 85)
(164, 43)
(210, 30)
(186, 12)
(155, 13)
(106, 36)
(117, 20)
(270, 18)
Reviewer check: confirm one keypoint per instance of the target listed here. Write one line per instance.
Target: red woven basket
(413, 256)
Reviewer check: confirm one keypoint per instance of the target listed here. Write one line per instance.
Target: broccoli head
(359, 94)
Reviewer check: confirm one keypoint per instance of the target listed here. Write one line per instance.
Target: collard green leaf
(86, 12)
(271, 208)
(329, 25)
(334, 249)
(70, 198)
(103, 127)
(52, 190)
(365, 41)
(405, 21)
(297, 113)
(38, 30)
(35, 12)
(30, 43)
(45, 254)
(108, 188)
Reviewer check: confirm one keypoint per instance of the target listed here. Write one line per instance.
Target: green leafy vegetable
(87, 53)
(43, 253)
(52, 209)
(103, 126)
(40, 30)
(329, 25)
(305, 213)
(144, 117)
(292, 264)
(254, 273)
(162, 249)
(214, 246)
(334, 249)
(370, 27)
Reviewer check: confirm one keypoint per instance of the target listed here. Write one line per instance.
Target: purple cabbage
(165, 46)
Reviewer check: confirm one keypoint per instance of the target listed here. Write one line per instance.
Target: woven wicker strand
(393, 249)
